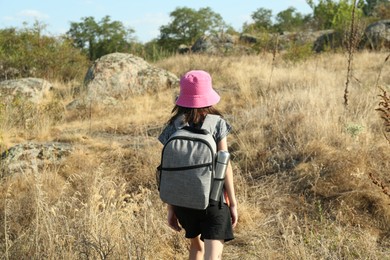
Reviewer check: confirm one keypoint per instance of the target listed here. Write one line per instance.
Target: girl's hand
(172, 219)
(234, 215)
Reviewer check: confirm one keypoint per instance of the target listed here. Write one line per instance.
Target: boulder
(248, 38)
(302, 37)
(182, 49)
(120, 75)
(32, 89)
(378, 35)
(329, 39)
(214, 44)
(31, 157)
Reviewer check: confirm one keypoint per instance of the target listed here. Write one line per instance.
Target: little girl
(207, 229)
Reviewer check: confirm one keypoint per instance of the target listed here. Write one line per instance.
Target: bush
(298, 52)
(28, 53)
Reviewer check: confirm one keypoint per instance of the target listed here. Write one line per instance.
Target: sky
(144, 16)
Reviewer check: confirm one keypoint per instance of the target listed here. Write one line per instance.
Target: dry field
(312, 176)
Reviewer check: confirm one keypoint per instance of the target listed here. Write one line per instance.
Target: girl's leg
(213, 249)
(196, 249)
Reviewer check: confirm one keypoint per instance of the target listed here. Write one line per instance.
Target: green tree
(323, 13)
(329, 14)
(289, 20)
(188, 25)
(100, 38)
(343, 15)
(262, 21)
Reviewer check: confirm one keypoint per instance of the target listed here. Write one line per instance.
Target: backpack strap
(208, 126)
(210, 123)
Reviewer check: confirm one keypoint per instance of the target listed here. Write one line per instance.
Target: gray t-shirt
(222, 129)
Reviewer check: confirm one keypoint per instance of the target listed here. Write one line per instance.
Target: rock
(214, 44)
(33, 89)
(76, 104)
(8, 72)
(120, 75)
(182, 49)
(248, 38)
(303, 37)
(378, 35)
(330, 39)
(31, 157)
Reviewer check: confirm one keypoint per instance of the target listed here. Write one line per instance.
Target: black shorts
(212, 223)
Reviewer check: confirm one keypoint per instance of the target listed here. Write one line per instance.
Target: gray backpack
(187, 166)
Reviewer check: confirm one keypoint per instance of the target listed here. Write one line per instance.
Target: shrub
(27, 53)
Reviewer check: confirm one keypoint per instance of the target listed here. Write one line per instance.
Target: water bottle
(220, 172)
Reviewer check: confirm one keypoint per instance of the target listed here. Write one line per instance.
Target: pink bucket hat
(196, 90)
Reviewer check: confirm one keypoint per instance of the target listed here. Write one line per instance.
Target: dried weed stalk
(353, 41)
(380, 184)
(384, 110)
(384, 103)
(274, 52)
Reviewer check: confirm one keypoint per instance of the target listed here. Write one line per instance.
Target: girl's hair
(193, 115)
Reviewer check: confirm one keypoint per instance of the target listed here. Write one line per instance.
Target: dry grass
(304, 167)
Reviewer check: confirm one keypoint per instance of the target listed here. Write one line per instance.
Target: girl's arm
(172, 220)
(229, 184)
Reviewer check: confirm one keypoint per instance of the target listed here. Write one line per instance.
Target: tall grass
(302, 168)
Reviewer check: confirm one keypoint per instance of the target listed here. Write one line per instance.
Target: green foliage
(188, 25)
(324, 13)
(29, 53)
(265, 43)
(354, 129)
(343, 16)
(262, 21)
(329, 14)
(298, 52)
(289, 20)
(97, 39)
(153, 52)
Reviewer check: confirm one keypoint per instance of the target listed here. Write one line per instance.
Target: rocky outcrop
(248, 38)
(32, 157)
(183, 49)
(32, 89)
(214, 44)
(329, 40)
(120, 75)
(220, 44)
(378, 35)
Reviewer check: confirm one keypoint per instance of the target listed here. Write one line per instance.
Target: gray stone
(248, 38)
(183, 49)
(214, 44)
(120, 75)
(32, 157)
(330, 39)
(32, 89)
(378, 35)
